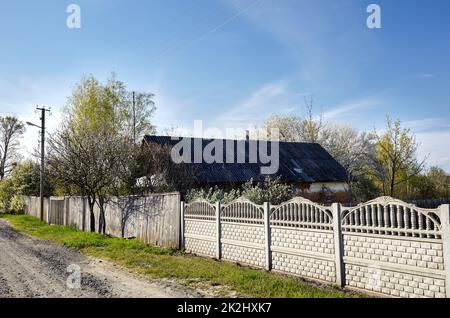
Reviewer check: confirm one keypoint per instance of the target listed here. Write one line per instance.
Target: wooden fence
(154, 219)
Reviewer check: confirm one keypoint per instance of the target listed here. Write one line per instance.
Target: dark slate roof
(299, 162)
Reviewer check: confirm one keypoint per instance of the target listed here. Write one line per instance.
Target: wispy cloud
(277, 97)
(342, 111)
(428, 124)
(307, 31)
(425, 76)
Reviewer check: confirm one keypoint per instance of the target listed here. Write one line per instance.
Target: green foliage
(94, 106)
(213, 195)
(396, 159)
(271, 190)
(6, 194)
(26, 179)
(17, 204)
(189, 270)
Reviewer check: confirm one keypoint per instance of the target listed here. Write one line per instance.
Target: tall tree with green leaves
(111, 105)
(396, 162)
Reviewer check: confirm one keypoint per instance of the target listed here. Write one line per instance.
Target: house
(308, 167)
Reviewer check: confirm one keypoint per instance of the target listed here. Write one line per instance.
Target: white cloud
(428, 124)
(425, 76)
(342, 111)
(269, 99)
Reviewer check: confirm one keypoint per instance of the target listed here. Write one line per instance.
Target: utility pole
(134, 117)
(42, 172)
(43, 112)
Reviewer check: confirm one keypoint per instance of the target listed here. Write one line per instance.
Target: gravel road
(31, 267)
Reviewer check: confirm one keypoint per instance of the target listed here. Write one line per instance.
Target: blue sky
(232, 63)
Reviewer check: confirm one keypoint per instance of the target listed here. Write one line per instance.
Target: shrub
(6, 194)
(271, 190)
(213, 195)
(17, 204)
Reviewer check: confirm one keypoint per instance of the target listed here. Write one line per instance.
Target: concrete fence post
(267, 236)
(445, 223)
(338, 244)
(218, 232)
(182, 225)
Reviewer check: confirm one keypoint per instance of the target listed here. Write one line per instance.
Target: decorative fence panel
(394, 248)
(384, 246)
(242, 233)
(200, 228)
(302, 240)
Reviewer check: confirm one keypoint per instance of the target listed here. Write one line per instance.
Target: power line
(15, 114)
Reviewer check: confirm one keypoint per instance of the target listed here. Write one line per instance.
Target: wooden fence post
(338, 244)
(218, 230)
(445, 223)
(182, 225)
(267, 233)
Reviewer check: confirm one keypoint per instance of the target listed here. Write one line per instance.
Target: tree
(94, 104)
(22, 180)
(353, 151)
(396, 160)
(350, 148)
(26, 179)
(93, 153)
(11, 129)
(92, 164)
(160, 173)
(295, 128)
(441, 180)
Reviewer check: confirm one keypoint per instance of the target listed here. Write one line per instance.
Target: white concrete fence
(384, 246)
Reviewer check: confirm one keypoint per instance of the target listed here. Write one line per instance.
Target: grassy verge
(163, 263)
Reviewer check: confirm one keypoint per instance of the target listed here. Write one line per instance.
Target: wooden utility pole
(42, 172)
(134, 117)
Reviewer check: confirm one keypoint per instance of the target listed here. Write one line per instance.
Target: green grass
(164, 263)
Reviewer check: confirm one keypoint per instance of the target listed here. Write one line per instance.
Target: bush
(6, 194)
(271, 190)
(17, 204)
(213, 195)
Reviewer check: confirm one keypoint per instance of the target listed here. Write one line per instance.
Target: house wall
(332, 186)
(325, 192)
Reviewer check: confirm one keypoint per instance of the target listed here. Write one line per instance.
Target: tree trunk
(102, 219)
(392, 185)
(91, 213)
